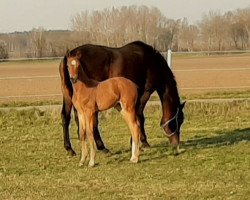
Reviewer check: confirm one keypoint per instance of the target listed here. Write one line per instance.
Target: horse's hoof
(71, 152)
(145, 145)
(81, 164)
(106, 151)
(102, 148)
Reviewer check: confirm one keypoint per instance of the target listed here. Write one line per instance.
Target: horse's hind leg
(65, 115)
(134, 126)
(98, 140)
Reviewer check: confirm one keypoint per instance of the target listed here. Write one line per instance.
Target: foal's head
(74, 65)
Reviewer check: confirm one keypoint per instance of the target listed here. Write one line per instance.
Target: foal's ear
(182, 105)
(67, 53)
(78, 54)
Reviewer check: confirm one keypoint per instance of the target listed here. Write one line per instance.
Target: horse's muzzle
(175, 142)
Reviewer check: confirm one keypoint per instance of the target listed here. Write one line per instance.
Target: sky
(24, 15)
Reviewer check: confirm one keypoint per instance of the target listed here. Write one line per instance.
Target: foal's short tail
(128, 91)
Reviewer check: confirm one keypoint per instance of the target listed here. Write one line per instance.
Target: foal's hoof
(134, 160)
(91, 163)
(81, 164)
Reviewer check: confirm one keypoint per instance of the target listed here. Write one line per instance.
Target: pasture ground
(215, 164)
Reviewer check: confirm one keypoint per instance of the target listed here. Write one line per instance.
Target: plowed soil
(24, 79)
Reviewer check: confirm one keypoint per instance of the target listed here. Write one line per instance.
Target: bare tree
(214, 29)
(114, 27)
(39, 41)
(188, 34)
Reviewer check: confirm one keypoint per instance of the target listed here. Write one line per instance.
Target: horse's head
(172, 128)
(74, 65)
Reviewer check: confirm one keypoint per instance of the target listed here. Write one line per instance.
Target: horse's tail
(64, 75)
(67, 92)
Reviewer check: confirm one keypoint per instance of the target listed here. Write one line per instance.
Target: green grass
(210, 95)
(13, 104)
(154, 97)
(219, 95)
(215, 165)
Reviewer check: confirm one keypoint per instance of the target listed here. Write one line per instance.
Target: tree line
(118, 26)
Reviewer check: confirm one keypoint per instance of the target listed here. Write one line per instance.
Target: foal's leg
(90, 122)
(134, 126)
(66, 116)
(82, 129)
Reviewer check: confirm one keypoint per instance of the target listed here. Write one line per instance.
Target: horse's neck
(88, 82)
(172, 100)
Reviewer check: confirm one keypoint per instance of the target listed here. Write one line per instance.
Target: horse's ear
(182, 105)
(67, 53)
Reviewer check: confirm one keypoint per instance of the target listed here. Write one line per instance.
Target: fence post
(169, 58)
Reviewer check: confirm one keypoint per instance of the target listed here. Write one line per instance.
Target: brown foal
(90, 97)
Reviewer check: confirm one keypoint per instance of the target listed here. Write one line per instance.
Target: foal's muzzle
(73, 79)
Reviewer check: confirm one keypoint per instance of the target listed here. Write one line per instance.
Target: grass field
(215, 164)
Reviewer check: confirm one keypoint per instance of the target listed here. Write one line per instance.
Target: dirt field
(212, 73)
(193, 74)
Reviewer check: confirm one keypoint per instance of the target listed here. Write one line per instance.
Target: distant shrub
(3, 52)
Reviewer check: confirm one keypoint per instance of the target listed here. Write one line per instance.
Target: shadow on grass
(222, 139)
(163, 149)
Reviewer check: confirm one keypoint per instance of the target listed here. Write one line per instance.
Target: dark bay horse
(142, 64)
(90, 97)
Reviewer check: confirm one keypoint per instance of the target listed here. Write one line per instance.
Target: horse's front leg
(66, 116)
(141, 105)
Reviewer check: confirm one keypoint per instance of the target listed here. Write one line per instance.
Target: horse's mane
(168, 76)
